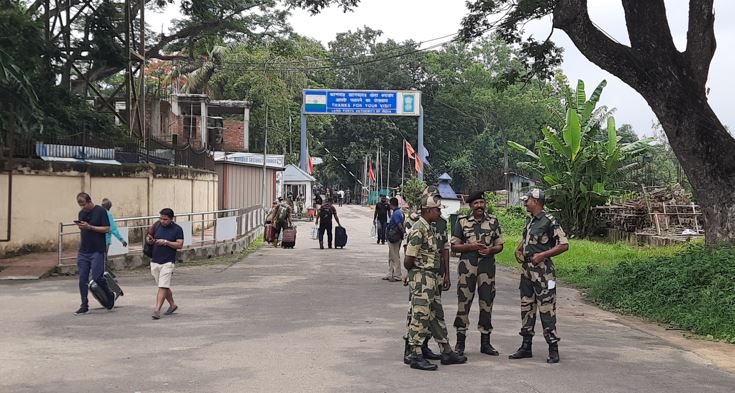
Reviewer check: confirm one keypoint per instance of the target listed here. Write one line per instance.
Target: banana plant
(580, 167)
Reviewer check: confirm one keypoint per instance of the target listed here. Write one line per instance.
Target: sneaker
(171, 310)
(82, 310)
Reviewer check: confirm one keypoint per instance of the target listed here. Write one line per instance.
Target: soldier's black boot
(553, 353)
(406, 351)
(459, 347)
(486, 347)
(426, 351)
(419, 363)
(452, 357)
(524, 351)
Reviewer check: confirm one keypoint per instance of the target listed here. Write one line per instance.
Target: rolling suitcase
(340, 237)
(100, 295)
(289, 238)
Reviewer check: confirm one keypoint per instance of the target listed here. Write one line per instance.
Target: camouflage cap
(430, 198)
(535, 193)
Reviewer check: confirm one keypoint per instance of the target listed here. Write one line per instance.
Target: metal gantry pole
(304, 148)
(265, 157)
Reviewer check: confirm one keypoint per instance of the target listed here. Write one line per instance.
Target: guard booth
(297, 182)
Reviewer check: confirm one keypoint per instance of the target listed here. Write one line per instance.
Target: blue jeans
(94, 261)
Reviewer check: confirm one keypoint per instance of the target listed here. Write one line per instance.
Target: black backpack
(325, 213)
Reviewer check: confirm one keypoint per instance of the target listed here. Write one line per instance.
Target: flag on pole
(371, 174)
(418, 165)
(409, 150)
(311, 164)
(424, 155)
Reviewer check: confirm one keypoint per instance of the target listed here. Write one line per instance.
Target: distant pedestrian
(324, 222)
(318, 201)
(166, 237)
(282, 219)
(348, 196)
(395, 234)
(341, 196)
(380, 218)
(114, 231)
(93, 224)
(542, 239)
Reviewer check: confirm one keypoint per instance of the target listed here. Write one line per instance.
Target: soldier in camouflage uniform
(423, 260)
(478, 237)
(440, 230)
(542, 239)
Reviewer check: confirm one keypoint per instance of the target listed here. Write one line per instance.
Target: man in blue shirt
(395, 229)
(166, 237)
(93, 224)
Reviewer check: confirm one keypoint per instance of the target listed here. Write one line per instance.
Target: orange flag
(311, 165)
(410, 152)
(418, 165)
(371, 174)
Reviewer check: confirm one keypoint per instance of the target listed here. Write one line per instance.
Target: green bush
(693, 290)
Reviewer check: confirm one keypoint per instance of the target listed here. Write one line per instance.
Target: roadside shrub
(692, 290)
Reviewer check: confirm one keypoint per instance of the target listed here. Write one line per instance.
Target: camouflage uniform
(538, 283)
(427, 313)
(476, 270)
(442, 241)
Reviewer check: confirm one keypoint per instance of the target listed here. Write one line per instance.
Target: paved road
(310, 320)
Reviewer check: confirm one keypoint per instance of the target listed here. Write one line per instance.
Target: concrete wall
(44, 194)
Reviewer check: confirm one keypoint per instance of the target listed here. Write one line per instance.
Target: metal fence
(203, 229)
(83, 146)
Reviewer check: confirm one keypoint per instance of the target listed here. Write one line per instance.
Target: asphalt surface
(310, 320)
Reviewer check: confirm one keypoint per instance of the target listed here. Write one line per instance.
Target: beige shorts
(163, 273)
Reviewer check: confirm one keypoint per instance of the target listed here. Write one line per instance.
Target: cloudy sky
(423, 20)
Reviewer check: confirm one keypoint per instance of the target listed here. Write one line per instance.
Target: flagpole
(377, 160)
(403, 163)
(387, 176)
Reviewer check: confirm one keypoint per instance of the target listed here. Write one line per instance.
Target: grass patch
(692, 290)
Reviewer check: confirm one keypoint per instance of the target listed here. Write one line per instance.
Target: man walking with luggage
(395, 236)
(542, 239)
(380, 218)
(324, 221)
(167, 237)
(282, 220)
(477, 236)
(423, 261)
(93, 225)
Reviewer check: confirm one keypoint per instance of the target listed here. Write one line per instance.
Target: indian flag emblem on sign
(315, 102)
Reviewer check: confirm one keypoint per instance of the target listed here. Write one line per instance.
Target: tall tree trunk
(674, 85)
(705, 150)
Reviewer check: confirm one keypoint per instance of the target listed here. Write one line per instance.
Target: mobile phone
(77, 222)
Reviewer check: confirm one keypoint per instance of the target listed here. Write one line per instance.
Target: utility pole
(265, 156)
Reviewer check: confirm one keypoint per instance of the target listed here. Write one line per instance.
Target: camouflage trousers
(475, 273)
(538, 293)
(427, 313)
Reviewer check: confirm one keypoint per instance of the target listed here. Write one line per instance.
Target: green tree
(412, 190)
(673, 82)
(579, 169)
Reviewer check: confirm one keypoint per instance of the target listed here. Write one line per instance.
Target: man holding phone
(93, 224)
(166, 237)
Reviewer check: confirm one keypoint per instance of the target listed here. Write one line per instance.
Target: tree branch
(572, 17)
(648, 27)
(701, 43)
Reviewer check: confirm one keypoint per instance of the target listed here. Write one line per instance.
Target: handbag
(394, 235)
(314, 233)
(148, 248)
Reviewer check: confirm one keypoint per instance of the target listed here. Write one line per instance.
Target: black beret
(475, 196)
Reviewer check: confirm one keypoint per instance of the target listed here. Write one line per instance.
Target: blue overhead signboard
(362, 102)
